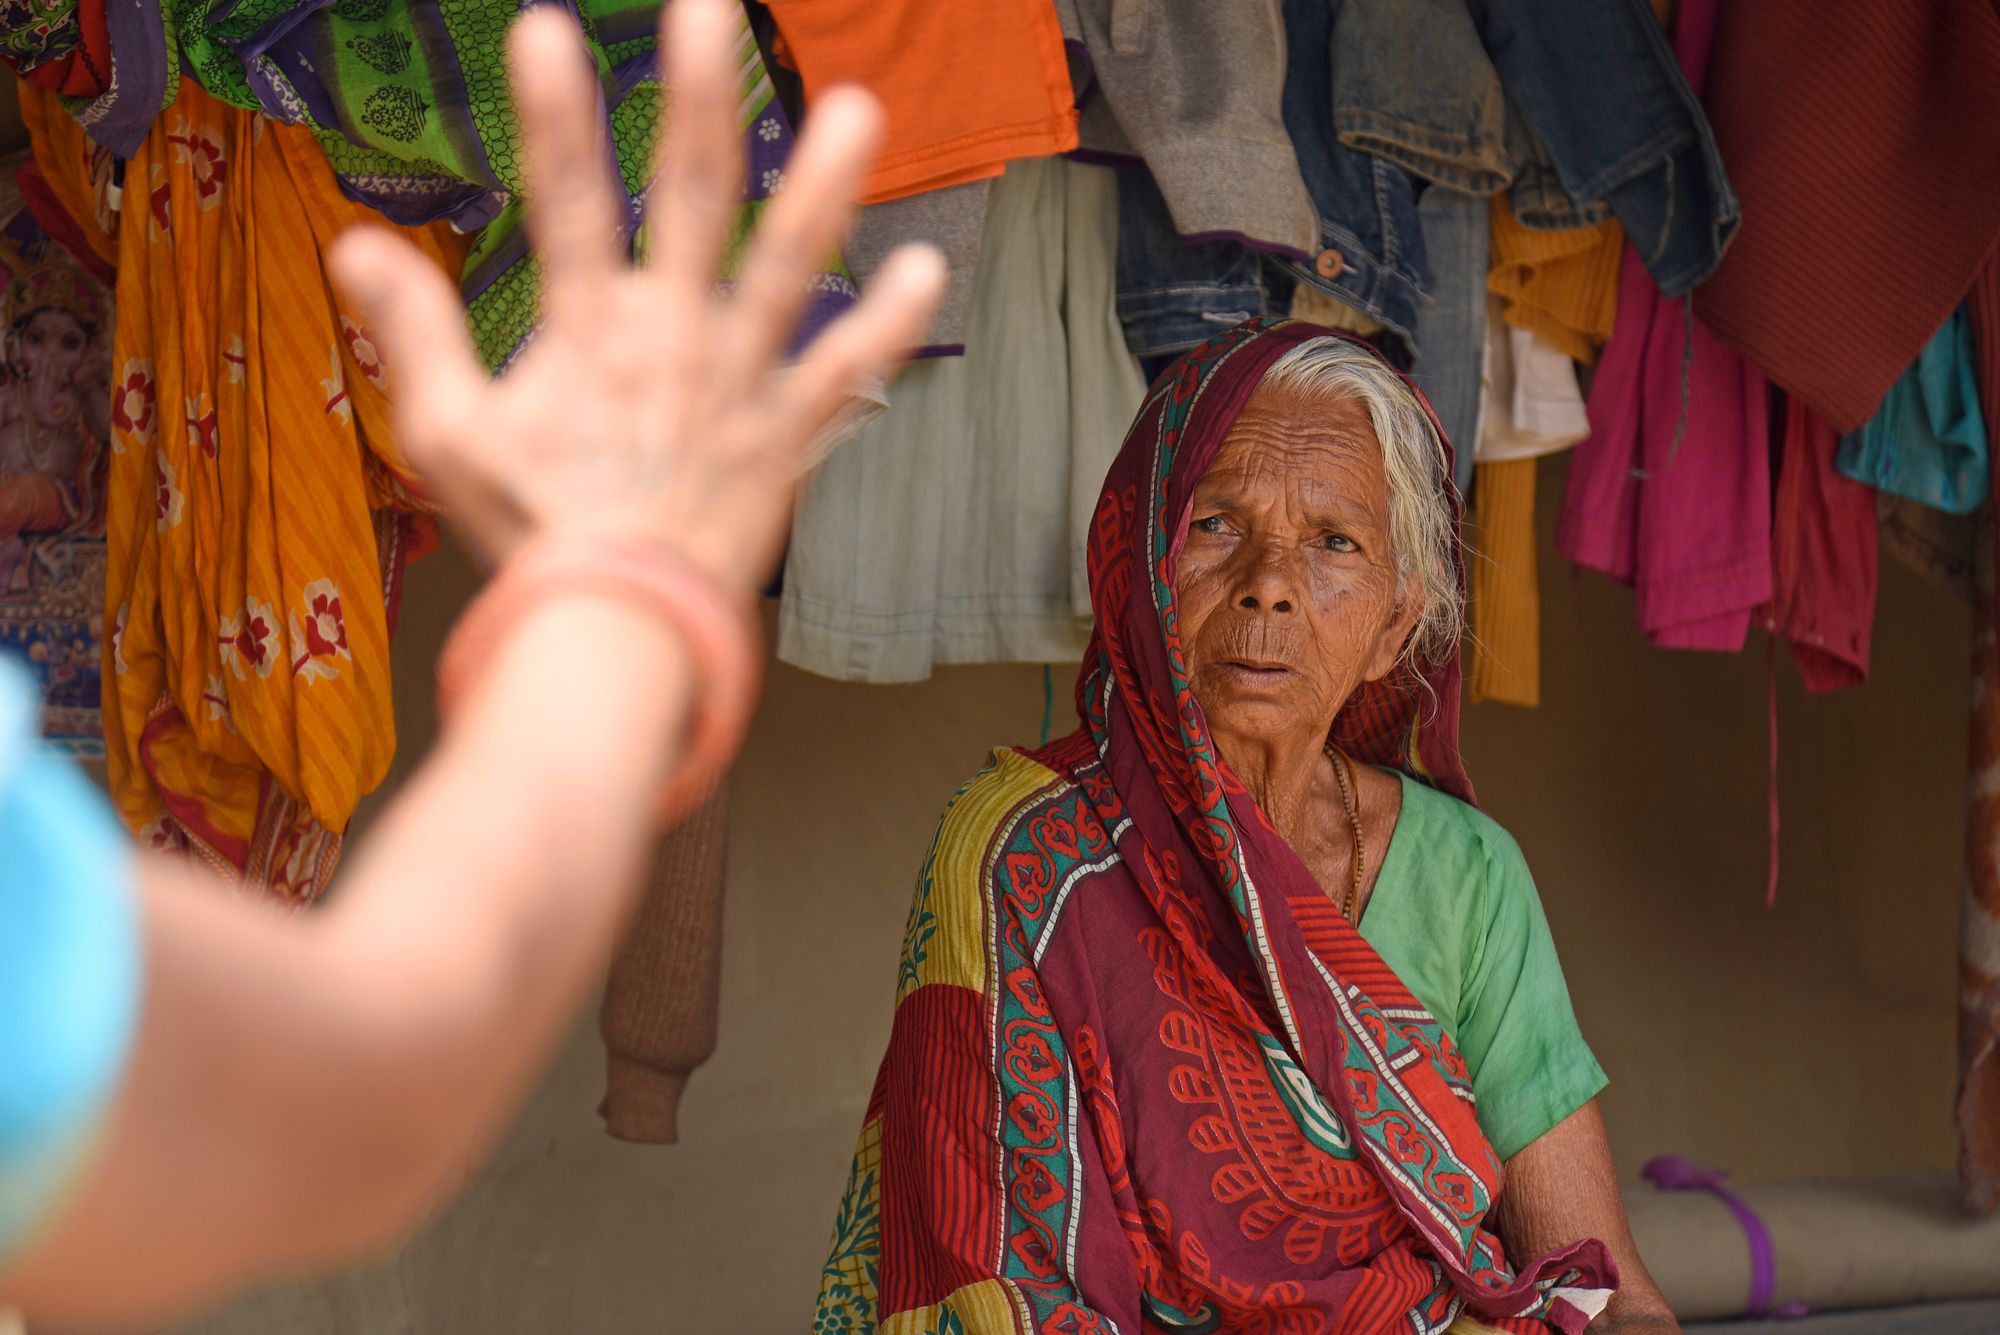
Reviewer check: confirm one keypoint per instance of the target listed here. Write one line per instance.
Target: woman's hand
(1562, 1187)
(647, 406)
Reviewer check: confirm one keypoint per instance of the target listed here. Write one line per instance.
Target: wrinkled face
(1287, 585)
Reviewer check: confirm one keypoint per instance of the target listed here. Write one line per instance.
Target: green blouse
(1455, 914)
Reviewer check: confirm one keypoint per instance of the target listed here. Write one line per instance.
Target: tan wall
(1813, 1037)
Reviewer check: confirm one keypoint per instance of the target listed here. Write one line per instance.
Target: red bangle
(720, 633)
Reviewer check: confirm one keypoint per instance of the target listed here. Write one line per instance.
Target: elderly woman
(1224, 1012)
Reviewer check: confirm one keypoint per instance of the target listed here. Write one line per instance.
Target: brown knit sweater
(659, 1014)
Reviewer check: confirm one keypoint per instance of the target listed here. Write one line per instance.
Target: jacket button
(1329, 264)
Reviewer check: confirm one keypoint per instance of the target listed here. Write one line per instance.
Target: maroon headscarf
(1406, 721)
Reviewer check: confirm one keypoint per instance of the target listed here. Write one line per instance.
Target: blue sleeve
(69, 966)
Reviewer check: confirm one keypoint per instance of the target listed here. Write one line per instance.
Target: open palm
(649, 406)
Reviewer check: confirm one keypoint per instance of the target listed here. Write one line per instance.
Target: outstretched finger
(698, 170)
(802, 228)
(574, 209)
(872, 340)
(413, 311)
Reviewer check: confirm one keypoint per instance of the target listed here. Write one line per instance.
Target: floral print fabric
(253, 540)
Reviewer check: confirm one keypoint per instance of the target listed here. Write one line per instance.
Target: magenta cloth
(1824, 557)
(1671, 492)
(1671, 1172)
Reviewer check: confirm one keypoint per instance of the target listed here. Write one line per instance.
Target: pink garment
(1687, 525)
(1824, 551)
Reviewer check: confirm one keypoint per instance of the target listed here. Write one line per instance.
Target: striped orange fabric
(1504, 652)
(247, 694)
(1562, 285)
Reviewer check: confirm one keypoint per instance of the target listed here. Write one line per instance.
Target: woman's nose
(1268, 582)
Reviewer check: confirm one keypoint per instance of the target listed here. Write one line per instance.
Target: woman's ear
(1403, 618)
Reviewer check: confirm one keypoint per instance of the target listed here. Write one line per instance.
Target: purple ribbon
(1672, 1172)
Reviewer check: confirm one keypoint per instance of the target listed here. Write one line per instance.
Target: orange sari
(257, 521)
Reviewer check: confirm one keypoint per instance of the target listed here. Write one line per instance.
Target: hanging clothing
(1114, 957)
(953, 220)
(1504, 607)
(1671, 492)
(1369, 250)
(110, 65)
(1555, 262)
(1194, 90)
(254, 551)
(1412, 84)
(1979, 906)
(65, 48)
(1674, 501)
(1176, 292)
(55, 424)
(1451, 324)
(1530, 402)
(1827, 289)
(1929, 542)
(408, 99)
(968, 89)
(1616, 126)
(1531, 407)
(658, 1018)
(1561, 284)
(1823, 557)
(1927, 441)
(953, 531)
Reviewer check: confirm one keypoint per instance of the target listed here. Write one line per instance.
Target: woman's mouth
(1256, 670)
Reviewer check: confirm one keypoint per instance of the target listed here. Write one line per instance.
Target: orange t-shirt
(968, 86)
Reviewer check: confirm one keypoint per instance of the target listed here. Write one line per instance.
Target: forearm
(1533, 1225)
(526, 830)
(491, 893)
(302, 1091)
(1563, 1188)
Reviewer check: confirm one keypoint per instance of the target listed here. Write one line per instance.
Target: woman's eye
(1337, 542)
(1212, 524)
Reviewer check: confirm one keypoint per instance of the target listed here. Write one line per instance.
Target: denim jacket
(1598, 119)
(1598, 83)
(1412, 84)
(1383, 96)
(1175, 292)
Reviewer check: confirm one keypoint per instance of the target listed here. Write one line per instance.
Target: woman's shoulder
(1440, 822)
(1010, 781)
(944, 939)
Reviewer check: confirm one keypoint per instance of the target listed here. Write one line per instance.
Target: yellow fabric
(990, 1307)
(1322, 307)
(1466, 1325)
(950, 947)
(1506, 650)
(247, 695)
(1562, 284)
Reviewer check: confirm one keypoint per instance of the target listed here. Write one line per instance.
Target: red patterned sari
(1127, 1088)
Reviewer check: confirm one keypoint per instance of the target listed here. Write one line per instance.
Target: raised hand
(648, 406)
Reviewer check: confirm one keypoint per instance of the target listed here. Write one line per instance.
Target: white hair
(1421, 528)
